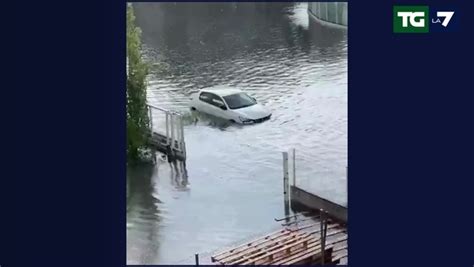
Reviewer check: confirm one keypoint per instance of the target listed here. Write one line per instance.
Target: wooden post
(285, 176)
(196, 258)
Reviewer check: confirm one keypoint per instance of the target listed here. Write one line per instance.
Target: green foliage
(137, 110)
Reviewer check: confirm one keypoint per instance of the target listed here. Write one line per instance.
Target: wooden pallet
(260, 242)
(258, 247)
(283, 247)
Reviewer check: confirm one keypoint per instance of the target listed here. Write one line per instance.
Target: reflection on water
(142, 206)
(231, 186)
(179, 175)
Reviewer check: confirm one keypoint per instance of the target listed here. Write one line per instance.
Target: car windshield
(240, 100)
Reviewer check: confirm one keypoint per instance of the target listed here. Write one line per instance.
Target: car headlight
(245, 120)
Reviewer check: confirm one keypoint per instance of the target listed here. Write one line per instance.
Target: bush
(137, 110)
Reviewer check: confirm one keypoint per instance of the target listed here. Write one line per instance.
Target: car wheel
(232, 121)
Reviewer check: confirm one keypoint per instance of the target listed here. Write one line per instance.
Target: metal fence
(168, 124)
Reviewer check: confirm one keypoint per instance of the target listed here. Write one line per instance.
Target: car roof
(222, 90)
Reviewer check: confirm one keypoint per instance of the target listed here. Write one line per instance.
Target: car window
(212, 99)
(239, 100)
(205, 97)
(217, 102)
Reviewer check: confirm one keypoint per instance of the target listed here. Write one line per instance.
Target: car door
(204, 102)
(217, 106)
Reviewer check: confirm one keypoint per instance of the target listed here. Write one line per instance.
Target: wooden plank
(340, 256)
(340, 248)
(294, 250)
(248, 244)
(281, 249)
(303, 255)
(268, 247)
(256, 248)
(337, 240)
(317, 246)
(263, 250)
(343, 261)
(313, 256)
(313, 247)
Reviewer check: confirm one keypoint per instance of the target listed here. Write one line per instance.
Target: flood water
(231, 187)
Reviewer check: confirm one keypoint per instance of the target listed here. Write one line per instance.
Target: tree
(137, 110)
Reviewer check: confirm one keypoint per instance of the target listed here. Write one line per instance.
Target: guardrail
(169, 138)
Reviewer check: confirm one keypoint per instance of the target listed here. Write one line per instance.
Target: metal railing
(173, 128)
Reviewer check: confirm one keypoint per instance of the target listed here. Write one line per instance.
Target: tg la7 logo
(415, 19)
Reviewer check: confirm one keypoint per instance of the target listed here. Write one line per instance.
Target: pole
(150, 111)
(172, 117)
(325, 231)
(196, 258)
(322, 235)
(182, 144)
(285, 176)
(167, 127)
(294, 167)
(181, 130)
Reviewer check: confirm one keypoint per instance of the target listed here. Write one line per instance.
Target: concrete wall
(333, 12)
(311, 201)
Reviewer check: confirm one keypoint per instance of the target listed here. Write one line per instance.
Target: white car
(230, 104)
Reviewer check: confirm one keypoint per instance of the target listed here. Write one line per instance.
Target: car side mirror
(223, 107)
